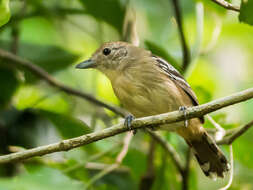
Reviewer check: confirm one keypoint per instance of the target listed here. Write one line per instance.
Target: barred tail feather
(210, 158)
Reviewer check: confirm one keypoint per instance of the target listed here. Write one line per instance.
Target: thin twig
(148, 178)
(156, 120)
(41, 73)
(214, 123)
(199, 9)
(92, 158)
(125, 147)
(227, 5)
(237, 133)
(129, 29)
(186, 170)
(185, 48)
(199, 38)
(215, 35)
(95, 166)
(231, 169)
(221, 132)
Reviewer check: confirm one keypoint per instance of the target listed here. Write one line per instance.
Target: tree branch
(186, 51)
(227, 5)
(220, 133)
(100, 167)
(147, 180)
(231, 170)
(41, 73)
(186, 171)
(166, 118)
(237, 133)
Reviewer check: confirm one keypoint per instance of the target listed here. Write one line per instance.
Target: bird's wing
(179, 80)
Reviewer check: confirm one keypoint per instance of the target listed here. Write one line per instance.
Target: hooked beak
(86, 64)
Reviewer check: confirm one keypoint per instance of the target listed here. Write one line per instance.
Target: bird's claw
(128, 122)
(183, 109)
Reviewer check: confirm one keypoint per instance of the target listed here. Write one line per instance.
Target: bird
(147, 85)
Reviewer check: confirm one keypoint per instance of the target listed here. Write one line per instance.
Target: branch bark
(237, 133)
(227, 5)
(166, 118)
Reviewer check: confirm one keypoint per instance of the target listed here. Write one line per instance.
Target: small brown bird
(147, 85)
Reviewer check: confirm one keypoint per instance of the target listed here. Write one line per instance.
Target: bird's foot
(183, 109)
(128, 122)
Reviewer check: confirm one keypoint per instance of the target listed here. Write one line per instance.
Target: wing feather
(179, 80)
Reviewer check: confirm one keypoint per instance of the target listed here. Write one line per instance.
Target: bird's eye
(106, 51)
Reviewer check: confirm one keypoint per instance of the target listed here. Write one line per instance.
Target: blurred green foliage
(56, 35)
(7, 88)
(110, 11)
(246, 12)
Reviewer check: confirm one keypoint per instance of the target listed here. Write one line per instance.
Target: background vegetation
(56, 35)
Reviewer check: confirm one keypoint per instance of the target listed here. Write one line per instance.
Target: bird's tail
(209, 156)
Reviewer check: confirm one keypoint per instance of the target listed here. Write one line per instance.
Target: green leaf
(110, 11)
(4, 12)
(161, 52)
(67, 126)
(8, 85)
(246, 14)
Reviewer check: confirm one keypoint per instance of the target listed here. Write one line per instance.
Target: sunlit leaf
(4, 12)
(105, 90)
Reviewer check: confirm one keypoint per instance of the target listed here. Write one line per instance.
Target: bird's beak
(86, 64)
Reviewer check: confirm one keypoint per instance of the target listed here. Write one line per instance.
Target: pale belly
(157, 99)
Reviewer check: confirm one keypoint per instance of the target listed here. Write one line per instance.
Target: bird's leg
(128, 122)
(183, 109)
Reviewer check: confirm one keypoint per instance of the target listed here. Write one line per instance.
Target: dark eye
(106, 51)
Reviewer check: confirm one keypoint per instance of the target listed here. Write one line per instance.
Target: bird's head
(112, 58)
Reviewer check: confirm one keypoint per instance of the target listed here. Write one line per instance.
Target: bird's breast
(145, 97)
